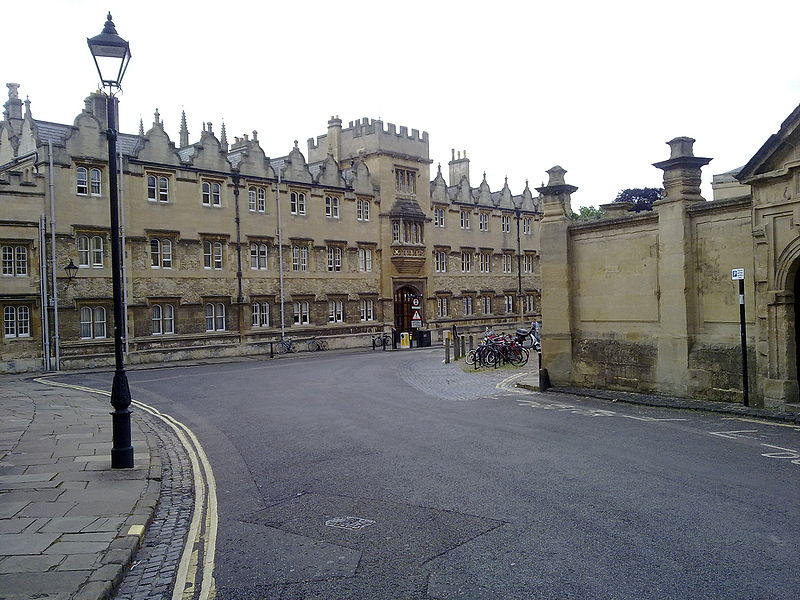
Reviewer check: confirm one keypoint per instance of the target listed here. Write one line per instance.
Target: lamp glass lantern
(71, 271)
(111, 54)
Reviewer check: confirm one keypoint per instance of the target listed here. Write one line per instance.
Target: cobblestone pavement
(453, 381)
(155, 565)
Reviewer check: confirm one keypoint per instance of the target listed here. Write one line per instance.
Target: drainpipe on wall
(521, 307)
(280, 254)
(125, 282)
(44, 298)
(240, 296)
(53, 267)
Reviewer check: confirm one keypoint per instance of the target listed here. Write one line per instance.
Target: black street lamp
(111, 55)
(71, 270)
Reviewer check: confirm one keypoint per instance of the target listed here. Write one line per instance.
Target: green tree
(587, 213)
(642, 198)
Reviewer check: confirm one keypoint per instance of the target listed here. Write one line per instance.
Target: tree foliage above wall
(641, 198)
(587, 213)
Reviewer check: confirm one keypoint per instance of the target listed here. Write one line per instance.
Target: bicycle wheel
(283, 347)
(517, 356)
(323, 345)
(377, 342)
(470, 357)
(528, 342)
(312, 345)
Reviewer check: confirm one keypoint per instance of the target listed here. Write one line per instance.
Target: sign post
(738, 275)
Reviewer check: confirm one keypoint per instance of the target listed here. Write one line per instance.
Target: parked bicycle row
(498, 349)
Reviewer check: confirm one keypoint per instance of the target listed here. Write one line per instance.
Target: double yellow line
(195, 577)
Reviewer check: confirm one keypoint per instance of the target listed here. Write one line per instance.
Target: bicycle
(383, 340)
(529, 338)
(285, 346)
(315, 345)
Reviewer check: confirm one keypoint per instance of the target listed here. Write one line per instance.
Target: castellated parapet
(368, 136)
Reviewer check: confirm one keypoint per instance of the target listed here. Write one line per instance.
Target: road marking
(746, 420)
(200, 548)
(590, 412)
(508, 384)
(785, 453)
(736, 435)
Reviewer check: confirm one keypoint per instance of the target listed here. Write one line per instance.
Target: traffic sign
(737, 274)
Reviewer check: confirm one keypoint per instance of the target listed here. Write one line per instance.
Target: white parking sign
(737, 274)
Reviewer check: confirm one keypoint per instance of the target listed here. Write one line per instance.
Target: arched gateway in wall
(404, 305)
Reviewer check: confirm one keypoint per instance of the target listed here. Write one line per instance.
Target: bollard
(463, 345)
(471, 343)
(456, 348)
(271, 350)
(447, 350)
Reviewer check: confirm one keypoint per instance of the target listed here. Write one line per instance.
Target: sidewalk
(531, 382)
(69, 524)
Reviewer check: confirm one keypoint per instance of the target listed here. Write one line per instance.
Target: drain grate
(349, 523)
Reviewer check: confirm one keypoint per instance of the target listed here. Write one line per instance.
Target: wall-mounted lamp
(71, 270)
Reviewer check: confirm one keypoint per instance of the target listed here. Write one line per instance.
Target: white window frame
(332, 207)
(92, 322)
(466, 262)
(335, 311)
(527, 223)
(334, 259)
(508, 263)
(212, 255)
(260, 314)
(362, 210)
(465, 219)
(160, 253)
(299, 258)
(527, 263)
(405, 182)
(82, 181)
(438, 217)
(367, 309)
(157, 188)
(365, 260)
(297, 203)
(530, 303)
(162, 319)
(468, 305)
(440, 262)
(95, 182)
(300, 312)
(508, 301)
(486, 304)
(259, 257)
(485, 260)
(215, 316)
(211, 192)
(483, 221)
(17, 321)
(505, 223)
(15, 261)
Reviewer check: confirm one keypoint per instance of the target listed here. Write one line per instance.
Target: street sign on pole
(738, 275)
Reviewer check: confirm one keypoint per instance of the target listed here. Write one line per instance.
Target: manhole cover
(349, 523)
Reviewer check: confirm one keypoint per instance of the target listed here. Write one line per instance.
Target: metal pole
(121, 450)
(45, 297)
(125, 278)
(743, 330)
(53, 266)
(237, 221)
(521, 307)
(280, 253)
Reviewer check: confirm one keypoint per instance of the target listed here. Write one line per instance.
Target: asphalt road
(392, 476)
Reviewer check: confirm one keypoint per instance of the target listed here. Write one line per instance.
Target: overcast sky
(596, 87)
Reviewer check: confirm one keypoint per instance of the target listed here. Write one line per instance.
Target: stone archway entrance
(796, 330)
(403, 311)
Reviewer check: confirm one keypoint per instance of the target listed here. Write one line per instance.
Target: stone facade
(218, 236)
(645, 301)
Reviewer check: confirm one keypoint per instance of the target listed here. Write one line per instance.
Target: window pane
(169, 318)
(95, 182)
(99, 322)
(10, 321)
(156, 319)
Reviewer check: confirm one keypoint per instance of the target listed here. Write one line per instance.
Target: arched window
(155, 319)
(215, 316)
(163, 189)
(216, 194)
(95, 181)
(258, 256)
(82, 181)
(97, 251)
(83, 251)
(151, 188)
(251, 199)
(262, 200)
(16, 321)
(93, 322)
(162, 318)
(206, 192)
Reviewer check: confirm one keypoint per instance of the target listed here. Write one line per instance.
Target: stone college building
(226, 249)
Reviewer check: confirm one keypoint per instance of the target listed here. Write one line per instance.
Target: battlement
(366, 136)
